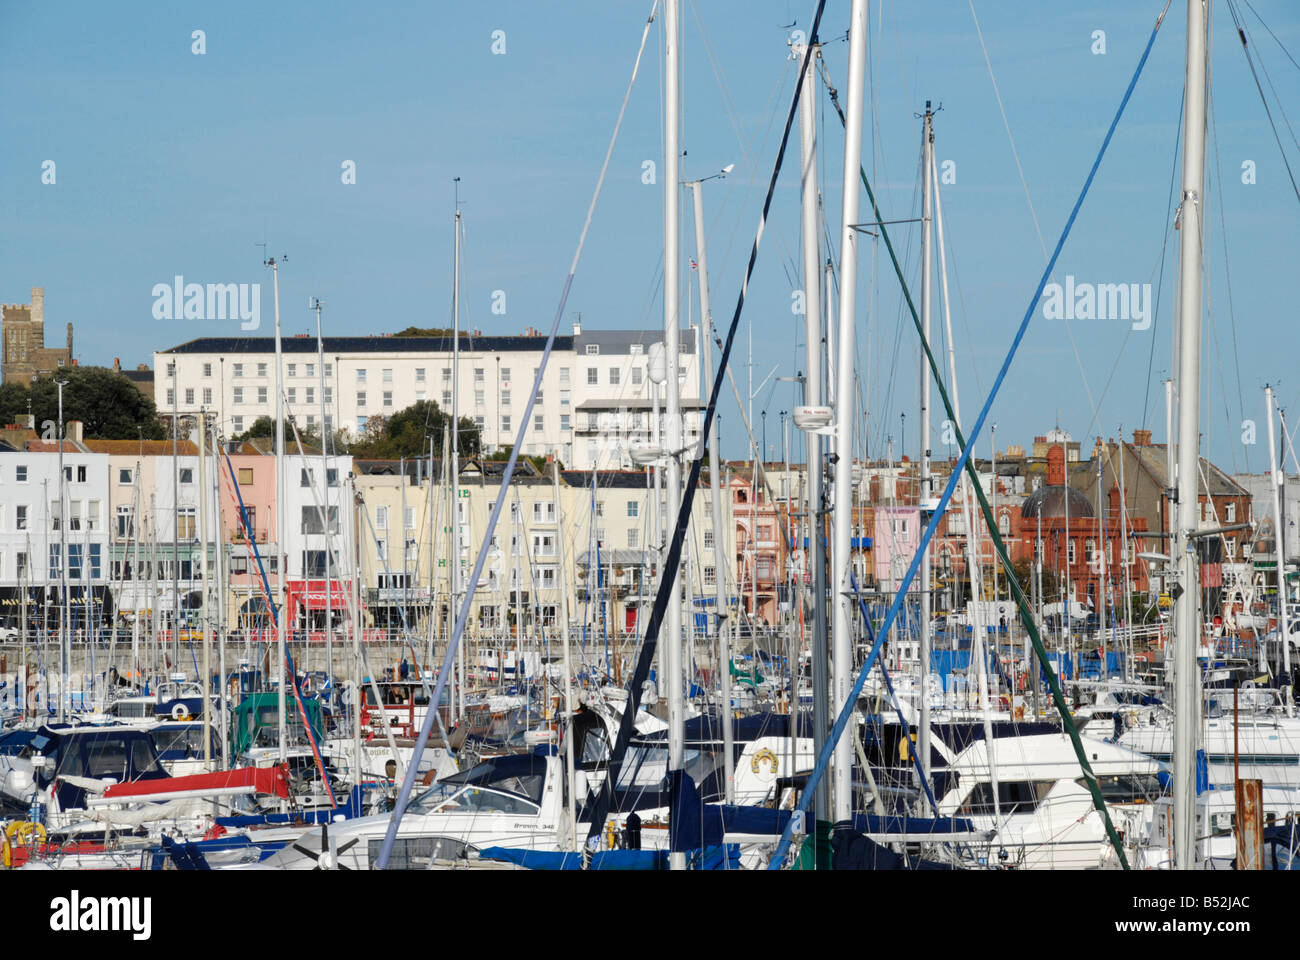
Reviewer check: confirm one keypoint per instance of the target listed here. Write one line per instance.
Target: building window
(388, 398)
(593, 349)
(20, 473)
(261, 394)
(207, 396)
(311, 394)
(187, 474)
(238, 424)
(593, 377)
(478, 398)
(710, 576)
(185, 523)
(419, 374)
(125, 528)
(505, 398)
(1089, 550)
(446, 398)
(311, 369)
(293, 394)
(361, 424)
(388, 374)
(505, 374)
(20, 517)
(261, 369)
(1230, 512)
(564, 374)
(361, 398)
(1070, 553)
(564, 422)
(708, 538)
(381, 518)
(171, 369)
(189, 396)
(478, 375)
(543, 511)
(361, 375)
(537, 422)
(171, 396)
(237, 395)
(505, 423)
(313, 522)
(207, 369)
(245, 476)
(237, 370)
(329, 369)
(293, 369)
(613, 376)
(307, 478)
(637, 374)
(329, 394)
(633, 539)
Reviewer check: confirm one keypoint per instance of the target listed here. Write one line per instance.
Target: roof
(1154, 459)
(613, 342)
(631, 403)
(1056, 501)
(371, 344)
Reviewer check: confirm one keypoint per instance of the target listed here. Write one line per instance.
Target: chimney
(1055, 466)
(117, 364)
(72, 430)
(577, 328)
(1141, 438)
(38, 304)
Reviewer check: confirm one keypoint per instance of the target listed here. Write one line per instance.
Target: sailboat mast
(672, 357)
(1186, 613)
(924, 493)
(459, 700)
(812, 396)
(842, 782)
(715, 503)
(1277, 481)
(281, 494)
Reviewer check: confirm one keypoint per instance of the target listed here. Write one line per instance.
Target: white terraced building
(596, 397)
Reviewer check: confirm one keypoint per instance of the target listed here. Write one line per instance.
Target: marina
(390, 586)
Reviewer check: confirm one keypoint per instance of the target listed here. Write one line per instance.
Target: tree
(13, 402)
(407, 433)
(263, 427)
(1024, 571)
(107, 403)
(428, 332)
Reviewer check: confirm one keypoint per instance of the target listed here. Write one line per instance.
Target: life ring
(180, 712)
(22, 831)
(760, 756)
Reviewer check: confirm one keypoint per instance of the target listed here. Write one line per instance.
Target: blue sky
(172, 163)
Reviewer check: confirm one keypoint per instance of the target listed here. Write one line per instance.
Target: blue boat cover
(693, 824)
(560, 860)
(850, 850)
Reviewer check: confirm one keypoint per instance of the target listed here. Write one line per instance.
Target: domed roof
(1050, 501)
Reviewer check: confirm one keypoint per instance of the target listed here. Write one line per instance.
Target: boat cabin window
(415, 853)
(1127, 788)
(106, 759)
(1015, 796)
(187, 741)
(131, 709)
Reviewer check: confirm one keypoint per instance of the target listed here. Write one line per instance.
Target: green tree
(407, 433)
(107, 403)
(428, 332)
(13, 402)
(263, 427)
